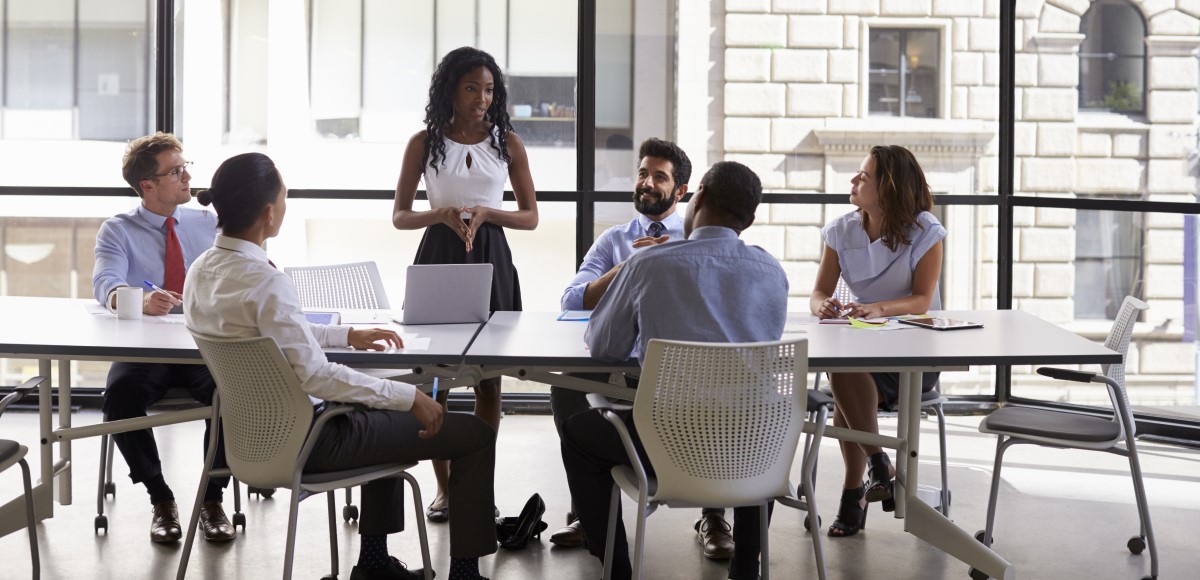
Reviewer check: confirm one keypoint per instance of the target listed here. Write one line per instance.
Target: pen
(435, 387)
(174, 300)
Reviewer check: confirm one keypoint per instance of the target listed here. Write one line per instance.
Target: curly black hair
(440, 109)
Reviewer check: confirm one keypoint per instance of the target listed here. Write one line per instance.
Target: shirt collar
(237, 245)
(154, 219)
(671, 222)
(713, 233)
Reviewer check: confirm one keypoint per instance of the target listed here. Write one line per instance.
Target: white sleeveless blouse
(457, 185)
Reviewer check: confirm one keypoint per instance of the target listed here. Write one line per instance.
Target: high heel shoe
(851, 515)
(515, 533)
(879, 480)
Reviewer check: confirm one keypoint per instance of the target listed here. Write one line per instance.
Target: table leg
(44, 502)
(920, 519)
(64, 422)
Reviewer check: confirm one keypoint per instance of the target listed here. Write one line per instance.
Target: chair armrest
(1068, 375)
(602, 403)
(332, 410)
(21, 392)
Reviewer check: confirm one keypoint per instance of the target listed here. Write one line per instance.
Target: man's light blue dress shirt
(132, 246)
(713, 287)
(615, 245)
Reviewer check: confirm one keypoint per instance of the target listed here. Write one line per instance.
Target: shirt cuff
(400, 396)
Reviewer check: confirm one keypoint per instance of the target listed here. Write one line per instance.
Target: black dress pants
(132, 388)
(591, 447)
(373, 437)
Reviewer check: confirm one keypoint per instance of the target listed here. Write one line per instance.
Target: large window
(904, 72)
(1108, 262)
(1112, 58)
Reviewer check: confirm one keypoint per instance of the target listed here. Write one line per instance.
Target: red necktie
(173, 265)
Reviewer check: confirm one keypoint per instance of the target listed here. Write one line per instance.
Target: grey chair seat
(8, 451)
(1032, 422)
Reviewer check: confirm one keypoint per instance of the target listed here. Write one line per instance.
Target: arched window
(1112, 58)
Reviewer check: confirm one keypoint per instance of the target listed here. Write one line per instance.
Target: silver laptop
(447, 293)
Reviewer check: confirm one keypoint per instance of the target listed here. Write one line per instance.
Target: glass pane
(1112, 58)
(1081, 288)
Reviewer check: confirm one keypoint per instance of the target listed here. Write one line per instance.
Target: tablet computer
(326, 318)
(941, 323)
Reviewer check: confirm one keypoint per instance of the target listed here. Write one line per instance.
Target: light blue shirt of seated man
(132, 246)
(615, 245)
(713, 287)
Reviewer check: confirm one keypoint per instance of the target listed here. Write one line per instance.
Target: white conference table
(536, 346)
(63, 330)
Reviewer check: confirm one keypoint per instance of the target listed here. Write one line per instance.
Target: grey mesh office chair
(354, 286)
(1066, 430)
(720, 423)
(269, 434)
(349, 286)
(11, 453)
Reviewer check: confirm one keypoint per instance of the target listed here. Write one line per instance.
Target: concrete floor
(1062, 514)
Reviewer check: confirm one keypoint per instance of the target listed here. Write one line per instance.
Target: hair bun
(205, 197)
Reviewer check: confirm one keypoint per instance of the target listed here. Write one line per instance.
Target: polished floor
(1063, 515)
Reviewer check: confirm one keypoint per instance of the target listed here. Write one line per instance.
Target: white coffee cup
(129, 303)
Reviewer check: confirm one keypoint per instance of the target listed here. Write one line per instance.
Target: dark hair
(241, 187)
(141, 157)
(734, 190)
(440, 108)
(681, 166)
(903, 192)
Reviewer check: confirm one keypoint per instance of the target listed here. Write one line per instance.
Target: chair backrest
(842, 292)
(356, 286)
(1118, 340)
(720, 422)
(265, 414)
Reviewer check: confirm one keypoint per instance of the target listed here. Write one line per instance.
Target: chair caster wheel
(978, 575)
(101, 524)
(979, 537)
(329, 577)
(808, 526)
(350, 512)
(110, 489)
(1136, 544)
(239, 519)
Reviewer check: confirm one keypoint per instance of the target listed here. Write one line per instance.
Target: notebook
(447, 294)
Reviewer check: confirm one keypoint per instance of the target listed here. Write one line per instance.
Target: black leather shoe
(214, 523)
(394, 570)
(164, 524)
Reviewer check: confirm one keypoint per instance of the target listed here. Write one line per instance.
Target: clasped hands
(452, 217)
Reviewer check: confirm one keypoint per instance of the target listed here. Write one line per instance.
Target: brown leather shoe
(164, 524)
(568, 537)
(712, 532)
(214, 523)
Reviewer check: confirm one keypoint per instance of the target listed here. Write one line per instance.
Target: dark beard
(659, 207)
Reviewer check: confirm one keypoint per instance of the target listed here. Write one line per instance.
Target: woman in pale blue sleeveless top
(888, 252)
(466, 152)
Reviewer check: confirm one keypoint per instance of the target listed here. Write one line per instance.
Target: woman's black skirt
(440, 245)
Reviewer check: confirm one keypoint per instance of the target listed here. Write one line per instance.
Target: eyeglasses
(177, 171)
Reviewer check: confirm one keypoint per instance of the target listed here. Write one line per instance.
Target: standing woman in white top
(889, 254)
(466, 152)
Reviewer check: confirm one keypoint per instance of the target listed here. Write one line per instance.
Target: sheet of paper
(414, 342)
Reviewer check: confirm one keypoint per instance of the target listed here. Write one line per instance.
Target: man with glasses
(662, 180)
(156, 242)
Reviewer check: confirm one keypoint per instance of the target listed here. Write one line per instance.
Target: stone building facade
(800, 92)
